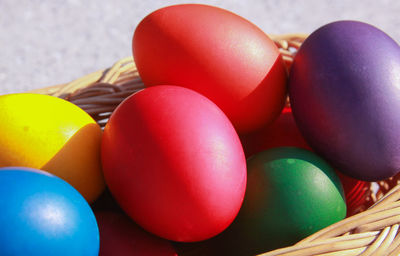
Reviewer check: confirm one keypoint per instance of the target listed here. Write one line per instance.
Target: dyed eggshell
(42, 214)
(291, 194)
(216, 53)
(174, 163)
(120, 236)
(54, 135)
(344, 92)
(283, 132)
(356, 194)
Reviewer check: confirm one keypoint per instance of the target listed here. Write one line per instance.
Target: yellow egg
(54, 135)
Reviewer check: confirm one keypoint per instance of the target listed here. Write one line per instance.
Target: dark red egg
(120, 236)
(281, 133)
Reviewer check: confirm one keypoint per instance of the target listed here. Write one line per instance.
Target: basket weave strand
(374, 231)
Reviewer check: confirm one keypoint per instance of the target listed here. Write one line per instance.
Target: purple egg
(345, 94)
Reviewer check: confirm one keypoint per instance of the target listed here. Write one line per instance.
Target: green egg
(291, 193)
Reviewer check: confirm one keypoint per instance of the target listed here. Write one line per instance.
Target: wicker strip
(372, 232)
(395, 244)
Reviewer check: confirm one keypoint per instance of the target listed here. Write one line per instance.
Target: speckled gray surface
(44, 42)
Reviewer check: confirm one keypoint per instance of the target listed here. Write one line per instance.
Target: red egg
(174, 163)
(281, 133)
(216, 53)
(356, 193)
(119, 236)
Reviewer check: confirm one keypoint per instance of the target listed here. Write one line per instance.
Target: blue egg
(42, 214)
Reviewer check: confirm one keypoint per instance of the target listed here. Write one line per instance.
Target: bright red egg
(174, 162)
(216, 53)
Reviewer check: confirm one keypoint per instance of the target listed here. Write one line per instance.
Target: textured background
(44, 42)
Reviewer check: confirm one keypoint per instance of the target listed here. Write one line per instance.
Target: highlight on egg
(52, 134)
(216, 53)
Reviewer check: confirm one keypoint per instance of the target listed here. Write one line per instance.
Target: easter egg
(344, 94)
(216, 53)
(291, 194)
(43, 215)
(120, 236)
(51, 134)
(174, 162)
(356, 192)
(283, 132)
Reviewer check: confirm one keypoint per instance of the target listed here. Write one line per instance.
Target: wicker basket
(374, 231)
